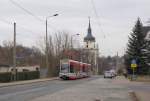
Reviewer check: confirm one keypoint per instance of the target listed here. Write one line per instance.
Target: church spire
(89, 28)
(89, 36)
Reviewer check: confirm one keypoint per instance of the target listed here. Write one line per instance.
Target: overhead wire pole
(46, 40)
(37, 18)
(14, 53)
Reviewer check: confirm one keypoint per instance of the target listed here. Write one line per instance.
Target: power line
(25, 10)
(29, 12)
(7, 22)
(97, 17)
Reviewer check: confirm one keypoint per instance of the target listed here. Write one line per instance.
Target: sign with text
(133, 64)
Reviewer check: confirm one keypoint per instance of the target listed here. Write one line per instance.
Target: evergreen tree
(148, 55)
(135, 49)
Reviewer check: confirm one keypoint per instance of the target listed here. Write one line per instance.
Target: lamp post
(47, 65)
(72, 39)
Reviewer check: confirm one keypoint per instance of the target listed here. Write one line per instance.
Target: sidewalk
(26, 82)
(141, 95)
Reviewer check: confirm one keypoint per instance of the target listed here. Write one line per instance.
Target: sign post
(133, 67)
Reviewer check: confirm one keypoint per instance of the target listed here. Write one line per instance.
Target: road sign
(133, 61)
(133, 65)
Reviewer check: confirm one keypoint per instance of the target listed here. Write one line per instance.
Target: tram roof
(81, 63)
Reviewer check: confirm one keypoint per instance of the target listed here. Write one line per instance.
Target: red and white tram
(71, 70)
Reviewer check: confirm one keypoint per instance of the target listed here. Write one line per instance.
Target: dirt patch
(133, 96)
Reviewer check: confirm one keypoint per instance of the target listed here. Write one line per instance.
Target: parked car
(108, 74)
(114, 74)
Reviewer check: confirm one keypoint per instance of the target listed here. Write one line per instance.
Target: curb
(133, 96)
(27, 82)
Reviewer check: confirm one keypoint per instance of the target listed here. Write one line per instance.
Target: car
(108, 74)
(114, 74)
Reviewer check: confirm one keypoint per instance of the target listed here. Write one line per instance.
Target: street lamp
(47, 65)
(72, 41)
(72, 38)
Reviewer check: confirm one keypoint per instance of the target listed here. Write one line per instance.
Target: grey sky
(117, 17)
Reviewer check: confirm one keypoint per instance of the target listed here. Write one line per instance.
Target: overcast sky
(116, 20)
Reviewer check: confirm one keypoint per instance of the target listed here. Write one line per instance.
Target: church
(91, 50)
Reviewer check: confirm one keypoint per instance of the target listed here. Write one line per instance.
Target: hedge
(5, 77)
(26, 75)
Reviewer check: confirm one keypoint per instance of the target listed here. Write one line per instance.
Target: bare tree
(59, 47)
(7, 52)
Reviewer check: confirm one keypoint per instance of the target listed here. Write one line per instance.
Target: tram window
(64, 68)
(71, 69)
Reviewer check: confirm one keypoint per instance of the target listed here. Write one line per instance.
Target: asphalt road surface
(30, 91)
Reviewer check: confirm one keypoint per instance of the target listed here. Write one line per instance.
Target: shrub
(5, 77)
(26, 75)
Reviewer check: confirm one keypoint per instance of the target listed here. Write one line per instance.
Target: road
(31, 91)
(41, 91)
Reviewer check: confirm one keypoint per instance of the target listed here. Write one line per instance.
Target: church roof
(89, 36)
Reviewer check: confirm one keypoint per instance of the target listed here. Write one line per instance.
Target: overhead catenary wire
(22, 27)
(25, 10)
(30, 13)
(97, 17)
(4, 21)
(9, 23)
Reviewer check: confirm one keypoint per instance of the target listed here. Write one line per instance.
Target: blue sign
(133, 61)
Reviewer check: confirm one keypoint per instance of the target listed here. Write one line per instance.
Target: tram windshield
(64, 68)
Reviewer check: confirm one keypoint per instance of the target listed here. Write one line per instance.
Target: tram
(71, 70)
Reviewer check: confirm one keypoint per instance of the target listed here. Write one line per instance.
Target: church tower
(89, 40)
(90, 49)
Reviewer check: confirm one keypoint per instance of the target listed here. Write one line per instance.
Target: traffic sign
(133, 65)
(133, 61)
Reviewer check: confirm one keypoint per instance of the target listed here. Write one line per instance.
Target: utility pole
(46, 41)
(14, 53)
(47, 65)
(117, 62)
(97, 58)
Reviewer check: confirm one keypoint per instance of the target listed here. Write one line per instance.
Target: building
(90, 50)
(7, 68)
(146, 31)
